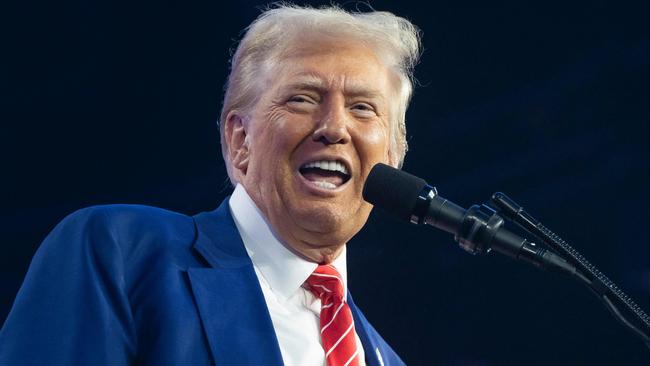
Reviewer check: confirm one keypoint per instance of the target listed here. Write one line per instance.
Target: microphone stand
(480, 230)
(587, 273)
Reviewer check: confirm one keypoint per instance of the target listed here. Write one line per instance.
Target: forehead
(352, 67)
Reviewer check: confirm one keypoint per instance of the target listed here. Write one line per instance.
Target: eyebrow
(314, 82)
(308, 82)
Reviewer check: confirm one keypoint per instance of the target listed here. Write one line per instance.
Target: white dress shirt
(295, 311)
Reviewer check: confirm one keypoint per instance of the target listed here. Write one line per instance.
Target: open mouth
(327, 174)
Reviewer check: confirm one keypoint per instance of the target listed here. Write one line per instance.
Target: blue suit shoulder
(96, 278)
(129, 227)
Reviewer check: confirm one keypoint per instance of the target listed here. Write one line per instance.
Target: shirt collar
(284, 271)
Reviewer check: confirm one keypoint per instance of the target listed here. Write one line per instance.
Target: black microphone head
(393, 190)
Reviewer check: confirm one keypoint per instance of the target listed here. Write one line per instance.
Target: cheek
(279, 136)
(373, 142)
(289, 131)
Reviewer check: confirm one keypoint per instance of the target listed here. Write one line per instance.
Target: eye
(363, 109)
(301, 103)
(301, 99)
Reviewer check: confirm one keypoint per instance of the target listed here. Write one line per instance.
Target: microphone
(478, 230)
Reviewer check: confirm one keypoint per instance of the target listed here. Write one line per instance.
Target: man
(315, 98)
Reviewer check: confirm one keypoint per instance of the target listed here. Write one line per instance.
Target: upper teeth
(334, 166)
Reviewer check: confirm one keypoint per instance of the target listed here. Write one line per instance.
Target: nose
(332, 126)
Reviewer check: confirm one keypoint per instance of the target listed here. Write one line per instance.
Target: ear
(391, 157)
(238, 142)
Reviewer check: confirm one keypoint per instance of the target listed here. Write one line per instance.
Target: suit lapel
(231, 305)
(365, 332)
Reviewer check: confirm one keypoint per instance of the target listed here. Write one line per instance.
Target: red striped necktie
(336, 323)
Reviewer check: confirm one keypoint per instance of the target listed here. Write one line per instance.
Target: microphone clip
(478, 229)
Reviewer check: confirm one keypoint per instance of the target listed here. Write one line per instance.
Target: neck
(316, 253)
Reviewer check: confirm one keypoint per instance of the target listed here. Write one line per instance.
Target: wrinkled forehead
(313, 43)
(301, 62)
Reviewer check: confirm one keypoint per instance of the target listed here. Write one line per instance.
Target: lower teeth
(326, 185)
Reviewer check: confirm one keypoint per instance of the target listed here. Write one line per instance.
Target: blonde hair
(394, 39)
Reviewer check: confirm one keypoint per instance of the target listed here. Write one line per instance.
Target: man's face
(320, 125)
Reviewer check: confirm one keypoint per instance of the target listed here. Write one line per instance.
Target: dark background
(109, 102)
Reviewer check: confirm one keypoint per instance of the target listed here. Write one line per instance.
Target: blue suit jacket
(122, 285)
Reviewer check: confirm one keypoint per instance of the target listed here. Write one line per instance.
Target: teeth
(326, 185)
(334, 166)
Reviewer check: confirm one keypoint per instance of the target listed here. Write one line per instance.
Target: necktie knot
(326, 282)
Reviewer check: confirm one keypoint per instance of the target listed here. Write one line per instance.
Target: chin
(330, 225)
